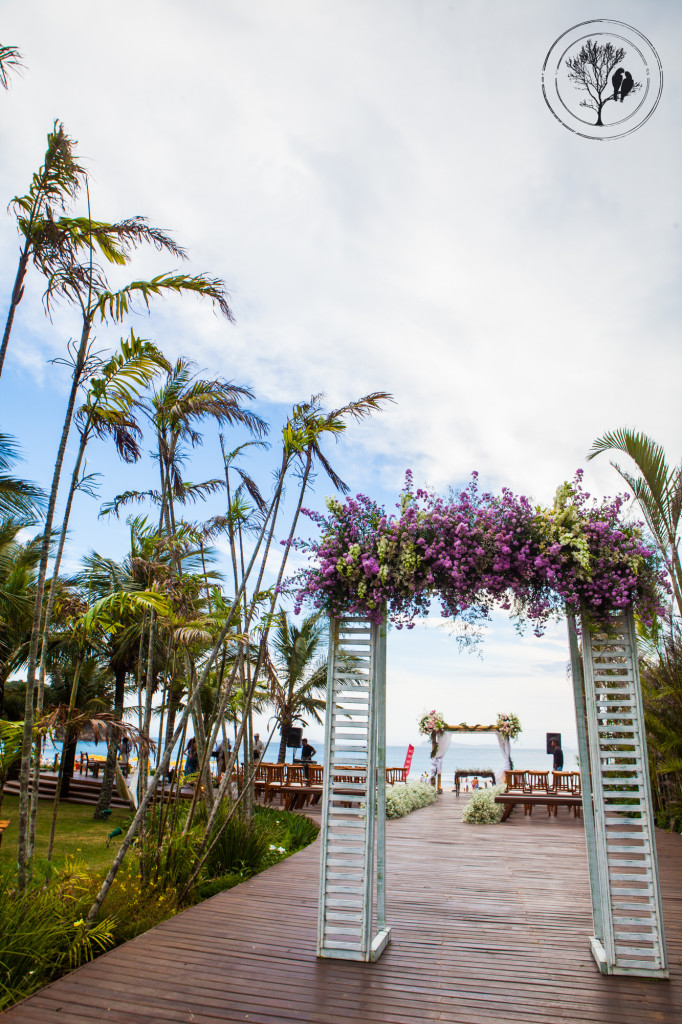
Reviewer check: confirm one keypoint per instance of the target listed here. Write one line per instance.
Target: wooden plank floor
(490, 924)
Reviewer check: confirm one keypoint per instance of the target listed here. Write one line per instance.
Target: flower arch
(474, 550)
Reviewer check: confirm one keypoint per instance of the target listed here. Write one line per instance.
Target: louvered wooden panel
(633, 940)
(348, 878)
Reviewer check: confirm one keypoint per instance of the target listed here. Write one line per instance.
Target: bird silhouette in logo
(626, 85)
(616, 81)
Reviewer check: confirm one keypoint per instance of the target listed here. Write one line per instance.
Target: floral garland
(474, 551)
(509, 725)
(432, 722)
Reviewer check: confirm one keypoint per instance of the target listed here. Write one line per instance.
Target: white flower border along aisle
(402, 799)
(481, 809)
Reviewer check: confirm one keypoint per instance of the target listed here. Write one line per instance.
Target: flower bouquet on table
(508, 725)
(432, 722)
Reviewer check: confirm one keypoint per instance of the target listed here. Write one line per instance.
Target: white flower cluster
(482, 809)
(405, 797)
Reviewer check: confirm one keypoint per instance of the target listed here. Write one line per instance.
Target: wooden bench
(550, 801)
(296, 796)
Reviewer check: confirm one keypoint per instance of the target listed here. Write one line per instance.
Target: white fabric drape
(443, 743)
(505, 747)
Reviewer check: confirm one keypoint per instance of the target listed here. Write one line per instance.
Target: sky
(392, 207)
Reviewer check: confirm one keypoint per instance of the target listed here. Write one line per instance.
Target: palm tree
(86, 286)
(53, 186)
(299, 434)
(297, 673)
(124, 648)
(10, 60)
(657, 489)
(53, 242)
(108, 412)
(84, 642)
(175, 412)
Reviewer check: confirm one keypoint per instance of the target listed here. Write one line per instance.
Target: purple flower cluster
(474, 551)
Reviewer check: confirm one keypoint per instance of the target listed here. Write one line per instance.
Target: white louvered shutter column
(351, 843)
(626, 892)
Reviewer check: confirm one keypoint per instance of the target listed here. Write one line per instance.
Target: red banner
(408, 762)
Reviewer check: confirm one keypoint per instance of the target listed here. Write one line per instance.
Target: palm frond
(114, 305)
(10, 61)
(113, 508)
(648, 456)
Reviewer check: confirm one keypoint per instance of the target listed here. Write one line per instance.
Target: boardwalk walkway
(490, 924)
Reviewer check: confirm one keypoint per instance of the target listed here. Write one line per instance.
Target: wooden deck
(490, 925)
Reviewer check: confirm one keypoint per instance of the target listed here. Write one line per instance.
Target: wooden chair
(569, 784)
(4, 824)
(274, 782)
(315, 774)
(515, 781)
(295, 775)
(394, 775)
(536, 782)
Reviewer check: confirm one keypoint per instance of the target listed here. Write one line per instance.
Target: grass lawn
(77, 834)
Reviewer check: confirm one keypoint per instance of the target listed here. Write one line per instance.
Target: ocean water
(478, 758)
(459, 756)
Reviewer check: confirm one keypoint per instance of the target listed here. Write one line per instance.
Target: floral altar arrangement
(509, 726)
(475, 551)
(432, 722)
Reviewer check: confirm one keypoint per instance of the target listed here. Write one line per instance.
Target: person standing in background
(307, 754)
(558, 756)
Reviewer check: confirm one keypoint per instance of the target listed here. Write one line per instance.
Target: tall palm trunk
(68, 738)
(17, 293)
(45, 631)
(264, 639)
(23, 837)
(285, 725)
(109, 774)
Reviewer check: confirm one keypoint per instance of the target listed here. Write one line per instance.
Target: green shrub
(42, 931)
(170, 863)
(482, 809)
(212, 886)
(670, 819)
(242, 847)
(405, 797)
(295, 831)
(136, 905)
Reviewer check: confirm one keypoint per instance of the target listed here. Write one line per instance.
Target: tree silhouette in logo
(591, 71)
